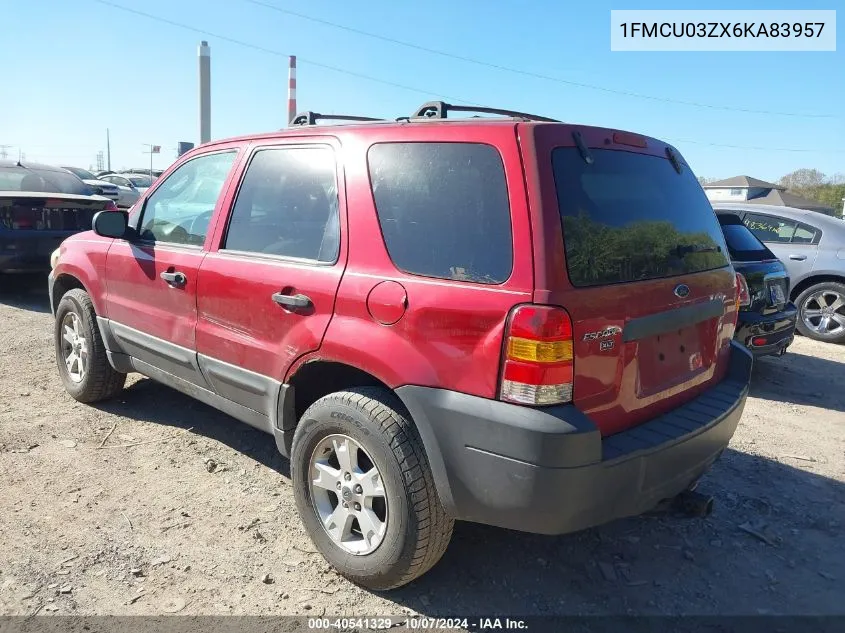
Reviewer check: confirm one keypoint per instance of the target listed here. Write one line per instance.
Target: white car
(100, 186)
(130, 187)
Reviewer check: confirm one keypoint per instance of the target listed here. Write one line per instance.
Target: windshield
(629, 217)
(140, 181)
(81, 173)
(16, 178)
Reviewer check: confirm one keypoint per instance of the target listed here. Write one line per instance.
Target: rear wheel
(80, 354)
(364, 489)
(821, 312)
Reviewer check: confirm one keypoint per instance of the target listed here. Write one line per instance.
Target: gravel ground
(154, 503)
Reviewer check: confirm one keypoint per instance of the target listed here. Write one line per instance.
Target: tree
(803, 179)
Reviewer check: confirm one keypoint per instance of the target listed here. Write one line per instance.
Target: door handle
(174, 278)
(798, 258)
(292, 301)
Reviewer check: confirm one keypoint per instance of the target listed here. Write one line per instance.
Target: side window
(443, 209)
(804, 234)
(180, 209)
(287, 205)
(768, 228)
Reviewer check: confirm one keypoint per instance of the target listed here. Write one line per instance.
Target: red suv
(508, 320)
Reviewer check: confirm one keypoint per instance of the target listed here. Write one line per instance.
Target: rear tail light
(537, 359)
(743, 294)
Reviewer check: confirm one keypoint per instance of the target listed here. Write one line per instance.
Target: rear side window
(804, 234)
(443, 209)
(629, 217)
(287, 205)
(768, 228)
(743, 246)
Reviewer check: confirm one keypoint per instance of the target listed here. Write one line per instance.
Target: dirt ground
(132, 521)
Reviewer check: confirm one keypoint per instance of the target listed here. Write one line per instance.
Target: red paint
(387, 302)
(442, 333)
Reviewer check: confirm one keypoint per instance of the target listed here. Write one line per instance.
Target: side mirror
(111, 224)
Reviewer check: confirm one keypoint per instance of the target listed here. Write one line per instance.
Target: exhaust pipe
(693, 504)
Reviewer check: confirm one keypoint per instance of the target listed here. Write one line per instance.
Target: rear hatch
(646, 275)
(768, 283)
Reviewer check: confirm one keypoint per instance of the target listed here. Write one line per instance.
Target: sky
(73, 69)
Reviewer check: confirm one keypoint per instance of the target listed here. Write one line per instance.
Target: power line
(764, 149)
(375, 79)
(271, 51)
(528, 73)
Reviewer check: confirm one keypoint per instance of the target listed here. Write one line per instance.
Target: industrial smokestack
(204, 53)
(291, 89)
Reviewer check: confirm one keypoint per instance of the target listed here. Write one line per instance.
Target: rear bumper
(549, 470)
(28, 251)
(778, 329)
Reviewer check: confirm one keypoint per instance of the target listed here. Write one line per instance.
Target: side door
(793, 243)
(152, 278)
(266, 290)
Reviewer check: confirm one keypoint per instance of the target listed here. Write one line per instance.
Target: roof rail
(311, 118)
(440, 110)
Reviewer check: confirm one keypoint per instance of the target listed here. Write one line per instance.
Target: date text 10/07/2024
(421, 623)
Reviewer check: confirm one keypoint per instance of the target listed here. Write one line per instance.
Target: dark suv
(508, 320)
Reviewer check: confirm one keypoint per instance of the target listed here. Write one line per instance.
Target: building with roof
(756, 191)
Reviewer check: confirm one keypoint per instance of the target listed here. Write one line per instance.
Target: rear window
(743, 246)
(443, 209)
(630, 217)
(16, 178)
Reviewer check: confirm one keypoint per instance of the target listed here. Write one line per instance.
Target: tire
(417, 529)
(95, 379)
(814, 304)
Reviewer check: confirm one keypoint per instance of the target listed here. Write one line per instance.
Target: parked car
(130, 187)
(507, 320)
(142, 182)
(812, 247)
(100, 186)
(766, 323)
(40, 206)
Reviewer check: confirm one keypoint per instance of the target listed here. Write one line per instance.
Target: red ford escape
(507, 319)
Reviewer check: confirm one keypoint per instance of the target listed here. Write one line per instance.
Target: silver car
(130, 187)
(812, 247)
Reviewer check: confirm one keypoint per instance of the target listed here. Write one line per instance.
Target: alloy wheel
(348, 494)
(74, 347)
(824, 312)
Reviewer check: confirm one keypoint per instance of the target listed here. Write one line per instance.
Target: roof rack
(311, 118)
(440, 110)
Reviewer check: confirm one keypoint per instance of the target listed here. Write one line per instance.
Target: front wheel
(821, 312)
(364, 489)
(80, 354)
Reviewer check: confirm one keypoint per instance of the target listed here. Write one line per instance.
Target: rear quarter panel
(451, 332)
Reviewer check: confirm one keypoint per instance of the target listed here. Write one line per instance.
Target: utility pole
(108, 150)
(154, 149)
(4, 154)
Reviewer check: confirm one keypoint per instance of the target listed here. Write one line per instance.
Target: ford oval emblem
(681, 290)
